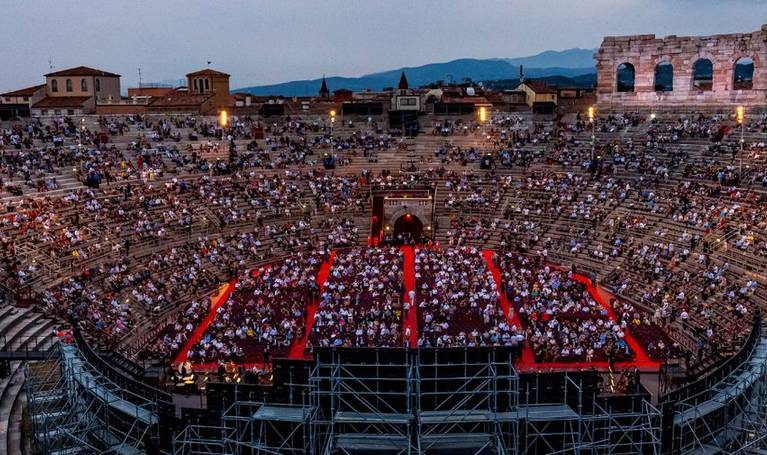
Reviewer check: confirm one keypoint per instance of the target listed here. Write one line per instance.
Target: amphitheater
(534, 284)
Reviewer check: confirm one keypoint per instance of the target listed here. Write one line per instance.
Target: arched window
(196, 85)
(98, 85)
(69, 85)
(625, 77)
(84, 85)
(743, 74)
(54, 86)
(703, 74)
(207, 84)
(664, 76)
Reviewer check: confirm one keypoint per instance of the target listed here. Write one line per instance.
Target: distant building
(76, 91)
(541, 98)
(342, 95)
(404, 99)
(213, 82)
(181, 100)
(18, 102)
(206, 93)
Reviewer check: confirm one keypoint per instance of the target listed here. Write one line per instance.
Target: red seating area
(355, 297)
(266, 311)
(563, 321)
(457, 300)
(361, 304)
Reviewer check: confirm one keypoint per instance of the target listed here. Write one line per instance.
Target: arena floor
(527, 363)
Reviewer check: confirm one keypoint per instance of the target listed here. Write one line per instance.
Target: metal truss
(433, 402)
(733, 418)
(362, 406)
(202, 440)
(471, 406)
(75, 409)
(264, 428)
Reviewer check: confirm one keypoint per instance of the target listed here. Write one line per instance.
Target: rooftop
(28, 91)
(207, 72)
(82, 71)
(61, 101)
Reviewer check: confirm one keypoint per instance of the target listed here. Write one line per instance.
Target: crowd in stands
(117, 221)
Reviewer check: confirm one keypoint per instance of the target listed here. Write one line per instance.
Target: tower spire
(403, 85)
(324, 92)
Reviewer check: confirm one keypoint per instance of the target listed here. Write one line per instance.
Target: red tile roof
(207, 72)
(465, 99)
(540, 87)
(29, 91)
(61, 101)
(82, 71)
(179, 98)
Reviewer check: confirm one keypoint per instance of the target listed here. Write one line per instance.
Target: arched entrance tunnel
(408, 228)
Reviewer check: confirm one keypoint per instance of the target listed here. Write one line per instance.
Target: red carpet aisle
(215, 302)
(297, 350)
(603, 298)
(409, 272)
(528, 359)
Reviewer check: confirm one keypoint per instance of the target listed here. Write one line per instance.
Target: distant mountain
(552, 63)
(570, 58)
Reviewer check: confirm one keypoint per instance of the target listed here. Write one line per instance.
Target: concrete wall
(644, 52)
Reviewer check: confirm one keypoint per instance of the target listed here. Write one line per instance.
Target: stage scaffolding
(434, 401)
(728, 416)
(73, 408)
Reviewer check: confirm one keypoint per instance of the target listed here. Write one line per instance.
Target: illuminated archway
(408, 228)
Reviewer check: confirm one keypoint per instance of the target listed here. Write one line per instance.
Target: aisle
(216, 301)
(299, 346)
(409, 274)
(603, 298)
(528, 358)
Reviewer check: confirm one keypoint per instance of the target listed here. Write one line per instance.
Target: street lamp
(593, 131)
(740, 116)
(332, 121)
(223, 119)
(482, 113)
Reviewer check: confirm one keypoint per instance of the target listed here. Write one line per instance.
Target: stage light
(591, 113)
(740, 114)
(223, 118)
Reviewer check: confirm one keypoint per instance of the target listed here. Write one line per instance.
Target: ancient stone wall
(644, 52)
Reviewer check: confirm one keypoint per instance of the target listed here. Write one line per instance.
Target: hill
(553, 63)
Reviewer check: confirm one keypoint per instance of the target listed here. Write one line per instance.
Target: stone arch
(625, 78)
(664, 76)
(410, 226)
(743, 71)
(703, 74)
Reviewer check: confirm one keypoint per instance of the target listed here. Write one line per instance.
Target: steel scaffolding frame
(73, 408)
(472, 405)
(359, 406)
(624, 433)
(259, 428)
(584, 423)
(733, 420)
